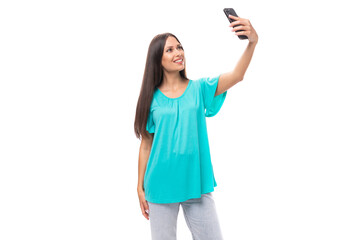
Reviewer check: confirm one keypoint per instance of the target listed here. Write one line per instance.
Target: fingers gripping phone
(231, 11)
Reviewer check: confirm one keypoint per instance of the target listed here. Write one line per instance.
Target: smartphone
(231, 11)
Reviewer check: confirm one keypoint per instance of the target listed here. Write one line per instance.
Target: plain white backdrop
(285, 146)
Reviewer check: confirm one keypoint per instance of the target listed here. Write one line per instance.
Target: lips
(179, 60)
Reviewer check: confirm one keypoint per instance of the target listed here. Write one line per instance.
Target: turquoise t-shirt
(179, 165)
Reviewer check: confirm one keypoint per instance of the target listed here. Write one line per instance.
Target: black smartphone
(231, 11)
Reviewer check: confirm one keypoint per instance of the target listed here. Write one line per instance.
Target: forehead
(171, 41)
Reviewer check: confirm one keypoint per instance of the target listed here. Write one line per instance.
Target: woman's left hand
(249, 31)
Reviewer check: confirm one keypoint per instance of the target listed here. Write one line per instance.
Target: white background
(285, 146)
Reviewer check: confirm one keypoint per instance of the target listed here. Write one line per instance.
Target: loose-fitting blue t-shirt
(179, 165)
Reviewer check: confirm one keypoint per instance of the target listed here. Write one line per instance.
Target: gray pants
(200, 215)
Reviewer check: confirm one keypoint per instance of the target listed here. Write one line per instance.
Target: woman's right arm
(145, 148)
(144, 153)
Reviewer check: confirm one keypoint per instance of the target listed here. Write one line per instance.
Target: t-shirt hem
(180, 200)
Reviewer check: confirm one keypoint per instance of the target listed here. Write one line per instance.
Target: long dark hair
(153, 76)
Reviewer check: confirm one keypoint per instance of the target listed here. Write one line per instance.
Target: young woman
(174, 160)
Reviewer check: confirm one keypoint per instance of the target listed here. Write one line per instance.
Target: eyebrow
(172, 46)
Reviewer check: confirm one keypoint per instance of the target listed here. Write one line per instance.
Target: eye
(178, 48)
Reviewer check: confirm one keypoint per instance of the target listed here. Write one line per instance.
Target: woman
(174, 160)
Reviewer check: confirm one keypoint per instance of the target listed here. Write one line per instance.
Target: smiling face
(173, 58)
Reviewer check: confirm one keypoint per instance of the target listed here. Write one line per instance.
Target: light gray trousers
(200, 215)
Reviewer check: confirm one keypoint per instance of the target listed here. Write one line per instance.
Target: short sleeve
(208, 89)
(150, 126)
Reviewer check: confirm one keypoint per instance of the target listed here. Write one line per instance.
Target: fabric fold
(212, 103)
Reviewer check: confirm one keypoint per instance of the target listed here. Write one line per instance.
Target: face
(173, 58)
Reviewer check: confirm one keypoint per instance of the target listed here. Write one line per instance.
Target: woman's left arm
(229, 79)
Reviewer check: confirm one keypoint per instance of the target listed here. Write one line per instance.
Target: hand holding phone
(231, 11)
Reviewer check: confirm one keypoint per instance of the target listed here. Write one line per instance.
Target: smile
(180, 61)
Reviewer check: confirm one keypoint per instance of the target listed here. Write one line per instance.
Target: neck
(172, 80)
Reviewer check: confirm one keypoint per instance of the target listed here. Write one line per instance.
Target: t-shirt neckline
(187, 87)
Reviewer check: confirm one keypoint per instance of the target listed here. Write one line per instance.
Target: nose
(179, 55)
